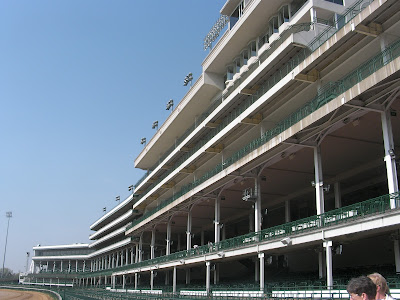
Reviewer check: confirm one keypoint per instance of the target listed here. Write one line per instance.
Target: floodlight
(155, 125)
(188, 78)
(143, 141)
(170, 104)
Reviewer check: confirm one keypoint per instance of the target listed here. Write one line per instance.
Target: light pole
(9, 216)
(27, 261)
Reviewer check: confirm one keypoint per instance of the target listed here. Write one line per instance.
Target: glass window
(284, 15)
(237, 64)
(229, 72)
(336, 1)
(253, 48)
(237, 13)
(273, 25)
(244, 57)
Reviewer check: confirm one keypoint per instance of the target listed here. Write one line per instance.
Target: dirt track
(6, 294)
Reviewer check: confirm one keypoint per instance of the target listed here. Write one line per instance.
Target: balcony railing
(354, 212)
(325, 94)
(347, 16)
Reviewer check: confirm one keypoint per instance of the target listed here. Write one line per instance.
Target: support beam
(310, 77)
(208, 277)
(329, 276)
(319, 184)
(255, 120)
(390, 156)
(217, 227)
(372, 29)
(262, 271)
(174, 281)
(257, 205)
(216, 149)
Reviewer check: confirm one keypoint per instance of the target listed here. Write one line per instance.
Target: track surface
(6, 294)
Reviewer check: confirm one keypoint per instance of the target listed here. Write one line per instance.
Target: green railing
(325, 94)
(359, 210)
(272, 81)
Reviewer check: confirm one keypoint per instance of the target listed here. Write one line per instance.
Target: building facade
(279, 162)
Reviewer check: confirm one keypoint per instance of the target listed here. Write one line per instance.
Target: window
(244, 56)
(253, 48)
(273, 25)
(238, 64)
(284, 14)
(336, 1)
(229, 72)
(237, 13)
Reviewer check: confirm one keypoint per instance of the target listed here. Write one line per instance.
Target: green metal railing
(325, 94)
(348, 15)
(378, 205)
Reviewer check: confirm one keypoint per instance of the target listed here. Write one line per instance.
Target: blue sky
(80, 83)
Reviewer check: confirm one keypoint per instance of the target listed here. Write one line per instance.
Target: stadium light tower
(9, 216)
(170, 104)
(118, 198)
(27, 261)
(188, 78)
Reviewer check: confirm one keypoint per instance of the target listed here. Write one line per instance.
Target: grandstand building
(276, 170)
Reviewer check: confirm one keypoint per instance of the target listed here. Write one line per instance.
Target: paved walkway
(6, 294)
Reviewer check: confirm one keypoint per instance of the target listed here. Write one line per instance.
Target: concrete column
(251, 222)
(126, 256)
(76, 266)
(69, 266)
(174, 281)
(84, 265)
(257, 271)
(189, 230)
(187, 276)
(287, 211)
(113, 261)
(136, 281)
(261, 256)
(168, 239)
(389, 155)
(257, 205)
(132, 256)
(319, 184)
(54, 267)
(118, 259)
(329, 276)
(320, 264)
(217, 219)
(61, 266)
(141, 248)
(123, 281)
(208, 277)
(152, 243)
(137, 254)
(338, 195)
(396, 249)
(151, 279)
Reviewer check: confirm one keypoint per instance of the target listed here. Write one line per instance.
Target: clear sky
(81, 82)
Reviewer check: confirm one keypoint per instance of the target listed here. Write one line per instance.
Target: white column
(396, 255)
(136, 281)
(262, 274)
(137, 254)
(69, 266)
(208, 276)
(140, 247)
(152, 243)
(321, 264)
(257, 205)
(189, 230)
(76, 266)
(126, 256)
(123, 281)
(217, 227)
(338, 195)
(328, 251)
(174, 281)
(319, 184)
(287, 211)
(84, 265)
(389, 155)
(168, 239)
(151, 279)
